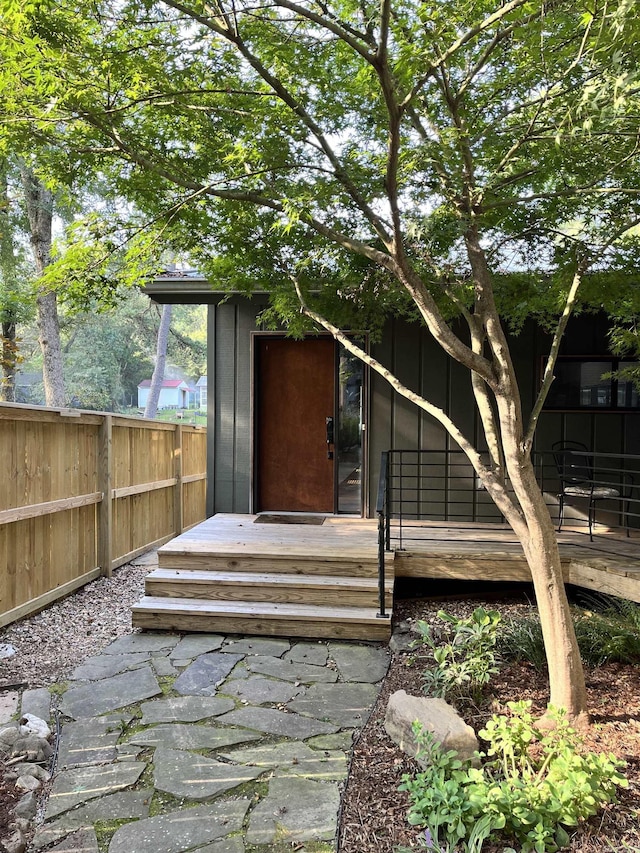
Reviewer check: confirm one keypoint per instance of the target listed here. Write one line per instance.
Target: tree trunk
(9, 361)
(49, 340)
(151, 409)
(39, 205)
(8, 264)
(567, 687)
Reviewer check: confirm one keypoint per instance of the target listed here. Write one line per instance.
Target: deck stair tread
(266, 563)
(267, 586)
(316, 581)
(265, 609)
(270, 549)
(261, 618)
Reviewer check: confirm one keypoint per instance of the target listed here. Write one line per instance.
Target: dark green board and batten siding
(393, 422)
(230, 325)
(422, 365)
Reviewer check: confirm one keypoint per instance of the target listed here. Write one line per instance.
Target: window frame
(614, 363)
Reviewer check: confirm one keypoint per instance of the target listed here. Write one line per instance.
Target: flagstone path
(208, 744)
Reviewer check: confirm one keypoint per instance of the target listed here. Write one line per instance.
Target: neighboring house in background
(299, 425)
(29, 388)
(174, 394)
(201, 388)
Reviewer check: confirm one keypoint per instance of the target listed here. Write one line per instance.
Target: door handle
(329, 427)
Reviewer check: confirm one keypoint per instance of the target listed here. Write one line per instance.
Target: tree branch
(493, 483)
(281, 91)
(548, 377)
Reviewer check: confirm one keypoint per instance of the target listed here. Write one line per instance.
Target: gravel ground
(52, 643)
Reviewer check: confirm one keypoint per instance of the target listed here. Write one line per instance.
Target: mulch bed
(374, 811)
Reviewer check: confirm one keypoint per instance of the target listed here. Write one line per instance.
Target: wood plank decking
(230, 574)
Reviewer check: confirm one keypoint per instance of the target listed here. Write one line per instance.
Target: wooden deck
(470, 551)
(232, 574)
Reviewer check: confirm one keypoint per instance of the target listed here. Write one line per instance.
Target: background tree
(38, 200)
(397, 156)
(15, 274)
(151, 409)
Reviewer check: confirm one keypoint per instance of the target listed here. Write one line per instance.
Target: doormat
(268, 518)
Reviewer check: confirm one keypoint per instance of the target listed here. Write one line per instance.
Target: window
(587, 383)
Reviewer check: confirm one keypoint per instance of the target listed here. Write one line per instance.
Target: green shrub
(531, 786)
(464, 665)
(611, 635)
(521, 640)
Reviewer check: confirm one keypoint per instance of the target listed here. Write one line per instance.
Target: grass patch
(163, 803)
(289, 845)
(166, 682)
(106, 829)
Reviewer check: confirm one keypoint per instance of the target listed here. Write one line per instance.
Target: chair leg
(560, 511)
(592, 518)
(625, 517)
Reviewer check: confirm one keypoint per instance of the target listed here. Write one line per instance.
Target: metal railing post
(382, 509)
(381, 579)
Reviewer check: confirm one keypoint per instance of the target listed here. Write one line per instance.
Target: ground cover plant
(374, 817)
(607, 630)
(530, 781)
(464, 663)
(532, 784)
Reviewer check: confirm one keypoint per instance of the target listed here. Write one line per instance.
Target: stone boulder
(436, 716)
(32, 747)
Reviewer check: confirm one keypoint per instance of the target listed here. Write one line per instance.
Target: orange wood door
(294, 397)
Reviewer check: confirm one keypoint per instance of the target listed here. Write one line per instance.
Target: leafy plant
(532, 784)
(464, 665)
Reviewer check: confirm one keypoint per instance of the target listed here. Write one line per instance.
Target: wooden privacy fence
(81, 493)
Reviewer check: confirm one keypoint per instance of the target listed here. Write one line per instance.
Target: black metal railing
(441, 485)
(383, 533)
(432, 485)
(606, 485)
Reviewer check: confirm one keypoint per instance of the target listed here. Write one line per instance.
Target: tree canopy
(466, 158)
(373, 128)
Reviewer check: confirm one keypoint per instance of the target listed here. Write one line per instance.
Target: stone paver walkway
(208, 743)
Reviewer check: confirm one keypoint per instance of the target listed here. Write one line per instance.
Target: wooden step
(267, 586)
(261, 619)
(236, 561)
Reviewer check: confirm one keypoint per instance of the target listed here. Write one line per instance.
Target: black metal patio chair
(575, 467)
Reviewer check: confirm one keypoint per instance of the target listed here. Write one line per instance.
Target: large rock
(436, 716)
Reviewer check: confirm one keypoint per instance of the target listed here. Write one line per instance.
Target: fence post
(105, 521)
(177, 473)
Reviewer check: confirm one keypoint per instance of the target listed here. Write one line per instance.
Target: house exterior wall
(421, 364)
(229, 404)
(170, 398)
(393, 422)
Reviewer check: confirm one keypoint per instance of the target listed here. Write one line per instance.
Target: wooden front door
(295, 394)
